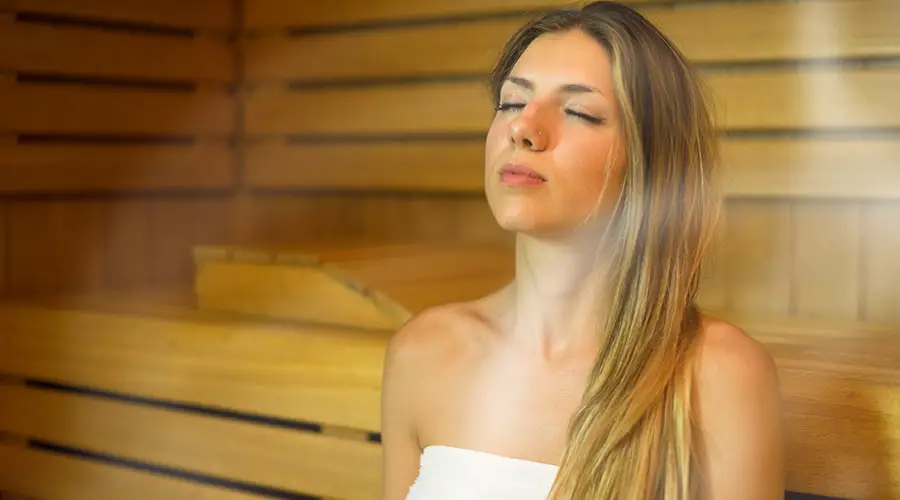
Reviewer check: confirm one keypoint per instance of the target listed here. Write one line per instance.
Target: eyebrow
(569, 87)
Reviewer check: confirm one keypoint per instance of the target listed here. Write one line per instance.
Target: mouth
(520, 175)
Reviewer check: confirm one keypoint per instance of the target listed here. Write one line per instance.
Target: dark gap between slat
(204, 479)
(186, 407)
(524, 15)
(300, 139)
(300, 85)
(84, 139)
(726, 67)
(104, 81)
(793, 495)
(859, 133)
(104, 24)
(118, 194)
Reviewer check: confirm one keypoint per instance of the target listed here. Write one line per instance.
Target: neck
(558, 291)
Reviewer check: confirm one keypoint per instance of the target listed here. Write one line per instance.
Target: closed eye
(509, 105)
(588, 118)
(506, 106)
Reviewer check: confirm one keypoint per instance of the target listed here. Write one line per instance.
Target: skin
(481, 375)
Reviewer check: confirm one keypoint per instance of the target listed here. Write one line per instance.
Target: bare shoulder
(439, 331)
(412, 354)
(739, 410)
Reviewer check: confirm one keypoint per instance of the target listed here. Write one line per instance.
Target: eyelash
(588, 118)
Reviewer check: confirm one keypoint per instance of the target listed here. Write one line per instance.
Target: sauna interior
(215, 213)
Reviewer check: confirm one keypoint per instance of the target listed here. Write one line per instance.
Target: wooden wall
(117, 120)
(132, 130)
(367, 119)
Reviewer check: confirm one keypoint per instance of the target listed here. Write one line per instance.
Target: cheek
(593, 169)
(496, 138)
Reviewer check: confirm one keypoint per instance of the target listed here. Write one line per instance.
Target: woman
(592, 375)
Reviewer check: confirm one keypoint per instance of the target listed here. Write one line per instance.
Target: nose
(526, 131)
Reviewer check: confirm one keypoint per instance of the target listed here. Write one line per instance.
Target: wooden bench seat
(145, 396)
(125, 405)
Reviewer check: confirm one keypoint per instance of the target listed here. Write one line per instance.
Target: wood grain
(820, 99)
(880, 271)
(114, 54)
(70, 109)
(57, 168)
(716, 33)
(214, 14)
(826, 267)
(799, 168)
(758, 255)
(249, 452)
(26, 470)
(298, 373)
(280, 13)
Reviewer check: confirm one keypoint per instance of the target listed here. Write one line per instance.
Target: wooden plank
(881, 267)
(770, 100)
(26, 471)
(4, 243)
(370, 217)
(261, 14)
(203, 14)
(843, 436)
(714, 33)
(807, 99)
(128, 263)
(407, 108)
(372, 286)
(248, 452)
(297, 372)
(71, 109)
(32, 254)
(34, 168)
(792, 167)
(758, 251)
(80, 51)
(176, 225)
(826, 271)
(83, 227)
(812, 168)
(444, 166)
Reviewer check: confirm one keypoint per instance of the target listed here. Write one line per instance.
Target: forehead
(568, 57)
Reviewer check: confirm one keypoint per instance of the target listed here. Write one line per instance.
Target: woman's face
(551, 139)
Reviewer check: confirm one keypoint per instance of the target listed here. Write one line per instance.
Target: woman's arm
(740, 414)
(400, 449)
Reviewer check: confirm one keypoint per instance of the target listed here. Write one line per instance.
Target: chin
(519, 218)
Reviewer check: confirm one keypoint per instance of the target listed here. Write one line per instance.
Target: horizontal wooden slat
(816, 98)
(248, 452)
(822, 168)
(444, 107)
(714, 33)
(771, 100)
(452, 166)
(80, 51)
(278, 13)
(794, 167)
(51, 167)
(74, 109)
(215, 14)
(297, 373)
(51, 476)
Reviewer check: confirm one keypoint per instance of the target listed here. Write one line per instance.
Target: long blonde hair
(633, 437)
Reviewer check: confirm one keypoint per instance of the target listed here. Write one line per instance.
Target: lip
(519, 169)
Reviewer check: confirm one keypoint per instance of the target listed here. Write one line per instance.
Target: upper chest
(502, 400)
